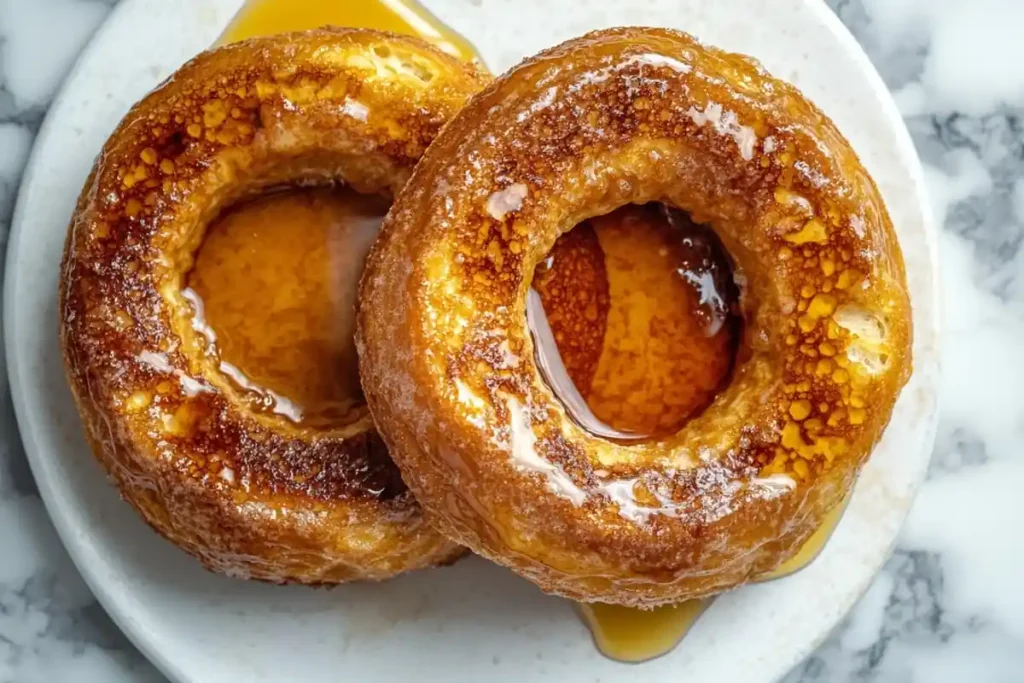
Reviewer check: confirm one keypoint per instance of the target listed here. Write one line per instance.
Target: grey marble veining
(948, 606)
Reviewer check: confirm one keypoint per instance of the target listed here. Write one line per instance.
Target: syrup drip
(635, 319)
(811, 548)
(273, 291)
(268, 17)
(627, 634)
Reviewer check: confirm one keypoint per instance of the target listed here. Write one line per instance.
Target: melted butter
(273, 289)
(642, 309)
(268, 17)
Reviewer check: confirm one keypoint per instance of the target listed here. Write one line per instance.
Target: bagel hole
(273, 291)
(635, 319)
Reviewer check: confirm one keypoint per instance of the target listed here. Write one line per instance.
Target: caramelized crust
(616, 117)
(248, 493)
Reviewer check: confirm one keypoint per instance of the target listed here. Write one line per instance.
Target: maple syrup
(642, 312)
(627, 634)
(811, 548)
(268, 17)
(275, 283)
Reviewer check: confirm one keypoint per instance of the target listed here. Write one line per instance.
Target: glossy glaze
(663, 310)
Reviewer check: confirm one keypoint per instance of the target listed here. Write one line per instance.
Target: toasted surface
(247, 492)
(447, 361)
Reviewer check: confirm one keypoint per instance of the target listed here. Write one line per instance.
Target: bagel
(248, 491)
(618, 117)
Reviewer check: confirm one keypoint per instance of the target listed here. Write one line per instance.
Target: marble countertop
(949, 605)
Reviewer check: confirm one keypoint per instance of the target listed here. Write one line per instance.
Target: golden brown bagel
(248, 493)
(447, 361)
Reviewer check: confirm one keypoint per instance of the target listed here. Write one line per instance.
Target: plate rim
(75, 545)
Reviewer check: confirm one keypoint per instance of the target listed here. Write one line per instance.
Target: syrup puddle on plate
(627, 634)
(269, 17)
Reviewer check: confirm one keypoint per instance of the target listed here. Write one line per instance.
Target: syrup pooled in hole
(275, 281)
(269, 17)
(274, 288)
(642, 312)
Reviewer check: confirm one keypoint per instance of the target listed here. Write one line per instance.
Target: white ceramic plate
(474, 621)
